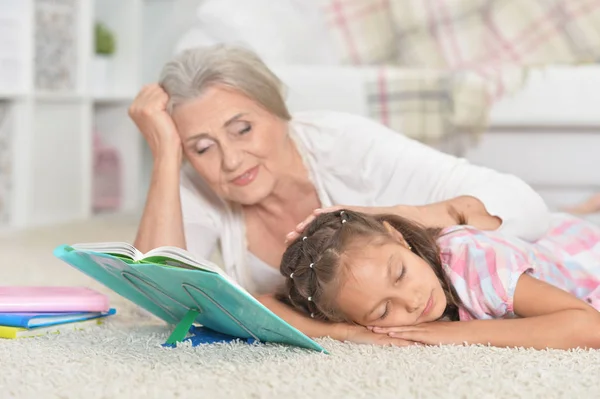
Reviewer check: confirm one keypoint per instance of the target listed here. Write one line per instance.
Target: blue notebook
(204, 335)
(34, 320)
(169, 282)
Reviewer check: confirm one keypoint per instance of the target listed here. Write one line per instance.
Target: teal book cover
(168, 285)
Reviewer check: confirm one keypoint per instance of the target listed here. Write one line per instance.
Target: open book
(169, 282)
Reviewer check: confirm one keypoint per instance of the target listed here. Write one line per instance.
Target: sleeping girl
(448, 286)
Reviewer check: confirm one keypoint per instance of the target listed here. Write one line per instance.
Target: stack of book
(35, 311)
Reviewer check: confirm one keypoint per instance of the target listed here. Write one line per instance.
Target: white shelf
(53, 96)
(114, 98)
(52, 131)
(48, 96)
(11, 95)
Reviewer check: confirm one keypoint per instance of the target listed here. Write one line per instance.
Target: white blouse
(355, 161)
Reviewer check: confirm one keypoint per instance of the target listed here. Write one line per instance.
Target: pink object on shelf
(52, 299)
(106, 183)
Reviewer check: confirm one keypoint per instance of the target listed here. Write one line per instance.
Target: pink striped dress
(484, 266)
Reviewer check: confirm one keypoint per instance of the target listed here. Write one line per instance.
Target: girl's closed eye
(402, 274)
(386, 311)
(387, 305)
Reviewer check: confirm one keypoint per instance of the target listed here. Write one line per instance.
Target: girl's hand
(361, 335)
(432, 333)
(409, 212)
(149, 112)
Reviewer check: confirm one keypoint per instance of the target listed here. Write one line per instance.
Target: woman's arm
(458, 210)
(550, 318)
(485, 197)
(444, 179)
(162, 221)
(393, 169)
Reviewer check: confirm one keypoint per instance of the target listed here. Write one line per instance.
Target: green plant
(105, 40)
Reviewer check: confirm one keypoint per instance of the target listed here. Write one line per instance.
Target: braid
(306, 281)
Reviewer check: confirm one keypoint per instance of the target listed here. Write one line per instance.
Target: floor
(125, 358)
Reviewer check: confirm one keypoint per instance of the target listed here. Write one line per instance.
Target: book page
(183, 256)
(172, 256)
(117, 248)
(176, 255)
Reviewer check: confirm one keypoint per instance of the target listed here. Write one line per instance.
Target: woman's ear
(396, 235)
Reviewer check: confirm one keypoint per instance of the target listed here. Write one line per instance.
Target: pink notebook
(52, 299)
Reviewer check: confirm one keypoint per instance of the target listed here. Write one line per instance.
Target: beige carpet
(124, 358)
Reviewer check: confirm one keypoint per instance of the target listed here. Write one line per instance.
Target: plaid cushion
(471, 33)
(430, 105)
(479, 51)
(362, 30)
(485, 35)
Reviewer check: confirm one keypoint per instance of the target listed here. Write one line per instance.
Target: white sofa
(548, 133)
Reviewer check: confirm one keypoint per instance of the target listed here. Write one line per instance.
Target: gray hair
(188, 74)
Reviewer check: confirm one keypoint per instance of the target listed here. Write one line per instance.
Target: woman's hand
(410, 212)
(149, 112)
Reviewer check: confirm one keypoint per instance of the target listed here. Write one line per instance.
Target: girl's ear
(396, 235)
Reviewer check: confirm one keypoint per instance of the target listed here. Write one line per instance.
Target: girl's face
(239, 148)
(389, 286)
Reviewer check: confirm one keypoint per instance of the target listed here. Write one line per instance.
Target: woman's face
(237, 147)
(388, 285)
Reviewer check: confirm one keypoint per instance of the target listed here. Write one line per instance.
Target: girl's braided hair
(312, 263)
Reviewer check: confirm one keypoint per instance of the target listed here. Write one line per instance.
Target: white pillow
(281, 31)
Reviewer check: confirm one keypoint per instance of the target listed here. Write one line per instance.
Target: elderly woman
(233, 168)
